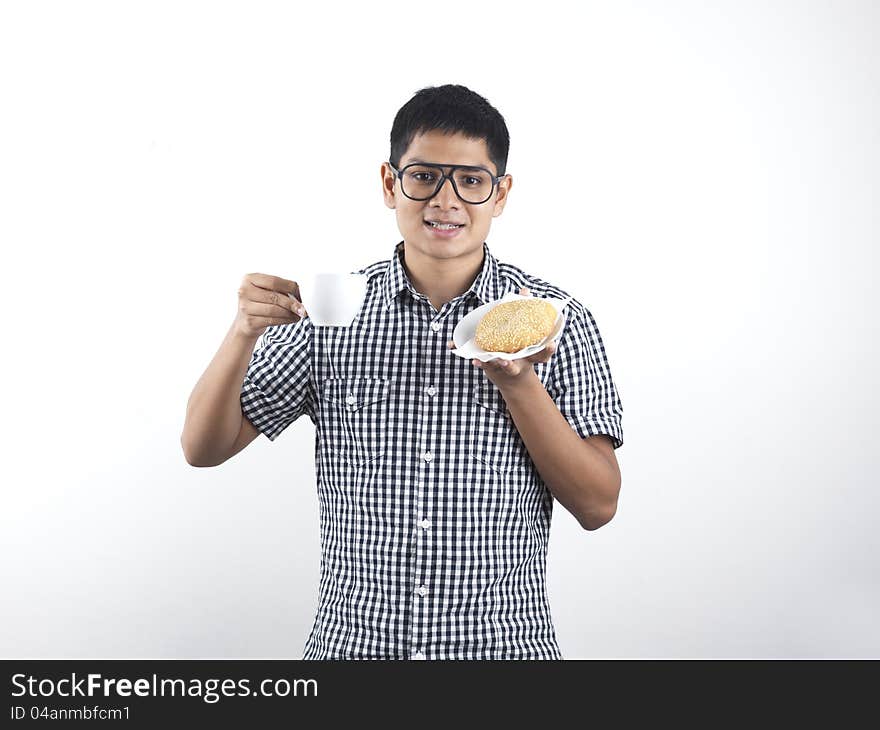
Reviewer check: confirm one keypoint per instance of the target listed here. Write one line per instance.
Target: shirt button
(431, 391)
(425, 524)
(351, 400)
(427, 456)
(418, 655)
(422, 591)
(435, 326)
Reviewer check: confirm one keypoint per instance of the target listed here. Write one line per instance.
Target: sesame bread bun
(511, 326)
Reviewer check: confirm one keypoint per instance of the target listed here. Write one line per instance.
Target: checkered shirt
(434, 521)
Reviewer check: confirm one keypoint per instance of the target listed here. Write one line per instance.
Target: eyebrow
(439, 164)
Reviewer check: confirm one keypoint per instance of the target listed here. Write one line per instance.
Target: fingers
(525, 291)
(274, 283)
(296, 306)
(545, 354)
(259, 308)
(264, 303)
(271, 288)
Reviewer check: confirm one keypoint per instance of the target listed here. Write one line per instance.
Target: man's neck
(441, 279)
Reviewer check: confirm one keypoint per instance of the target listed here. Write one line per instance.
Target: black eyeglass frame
(444, 177)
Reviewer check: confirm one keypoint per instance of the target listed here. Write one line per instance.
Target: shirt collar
(486, 286)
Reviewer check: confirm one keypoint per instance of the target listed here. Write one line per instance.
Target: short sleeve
(583, 388)
(277, 386)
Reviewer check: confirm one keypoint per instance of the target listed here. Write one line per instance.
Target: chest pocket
(354, 418)
(494, 440)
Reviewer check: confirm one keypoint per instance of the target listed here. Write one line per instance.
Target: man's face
(413, 215)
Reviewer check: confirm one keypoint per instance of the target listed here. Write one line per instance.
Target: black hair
(450, 108)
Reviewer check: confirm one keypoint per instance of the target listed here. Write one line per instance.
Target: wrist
(242, 338)
(523, 387)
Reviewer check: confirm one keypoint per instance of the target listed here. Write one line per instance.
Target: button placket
(422, 548)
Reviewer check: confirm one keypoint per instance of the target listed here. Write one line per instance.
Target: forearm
(577, 473)
(213, 412)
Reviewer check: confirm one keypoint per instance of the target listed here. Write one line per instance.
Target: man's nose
(446, 194)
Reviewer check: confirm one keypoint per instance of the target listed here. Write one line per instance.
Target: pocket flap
(355, 393)
(488, 396)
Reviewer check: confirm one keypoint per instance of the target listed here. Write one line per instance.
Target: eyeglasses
(472, 184)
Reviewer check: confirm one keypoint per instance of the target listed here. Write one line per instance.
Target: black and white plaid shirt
(434, 521)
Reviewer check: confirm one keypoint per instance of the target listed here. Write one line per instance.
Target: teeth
(444, 226)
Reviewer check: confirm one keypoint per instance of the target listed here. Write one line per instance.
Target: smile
(443, 230)
(444, 226)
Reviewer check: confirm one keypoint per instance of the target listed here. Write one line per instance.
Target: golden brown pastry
(511, 326)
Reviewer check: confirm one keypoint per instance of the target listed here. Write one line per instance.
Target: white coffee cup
(332, 298)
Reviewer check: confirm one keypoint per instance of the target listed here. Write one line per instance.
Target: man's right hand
(264, 301)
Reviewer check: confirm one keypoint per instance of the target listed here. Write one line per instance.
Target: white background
(702, 176)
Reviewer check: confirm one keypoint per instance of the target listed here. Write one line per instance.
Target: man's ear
(504, 186)
(388, 183)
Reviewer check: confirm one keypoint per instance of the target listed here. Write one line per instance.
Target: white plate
(464, 333)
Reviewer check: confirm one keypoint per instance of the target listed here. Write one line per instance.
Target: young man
(436, 475)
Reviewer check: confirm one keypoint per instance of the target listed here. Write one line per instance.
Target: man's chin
(460, 245)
